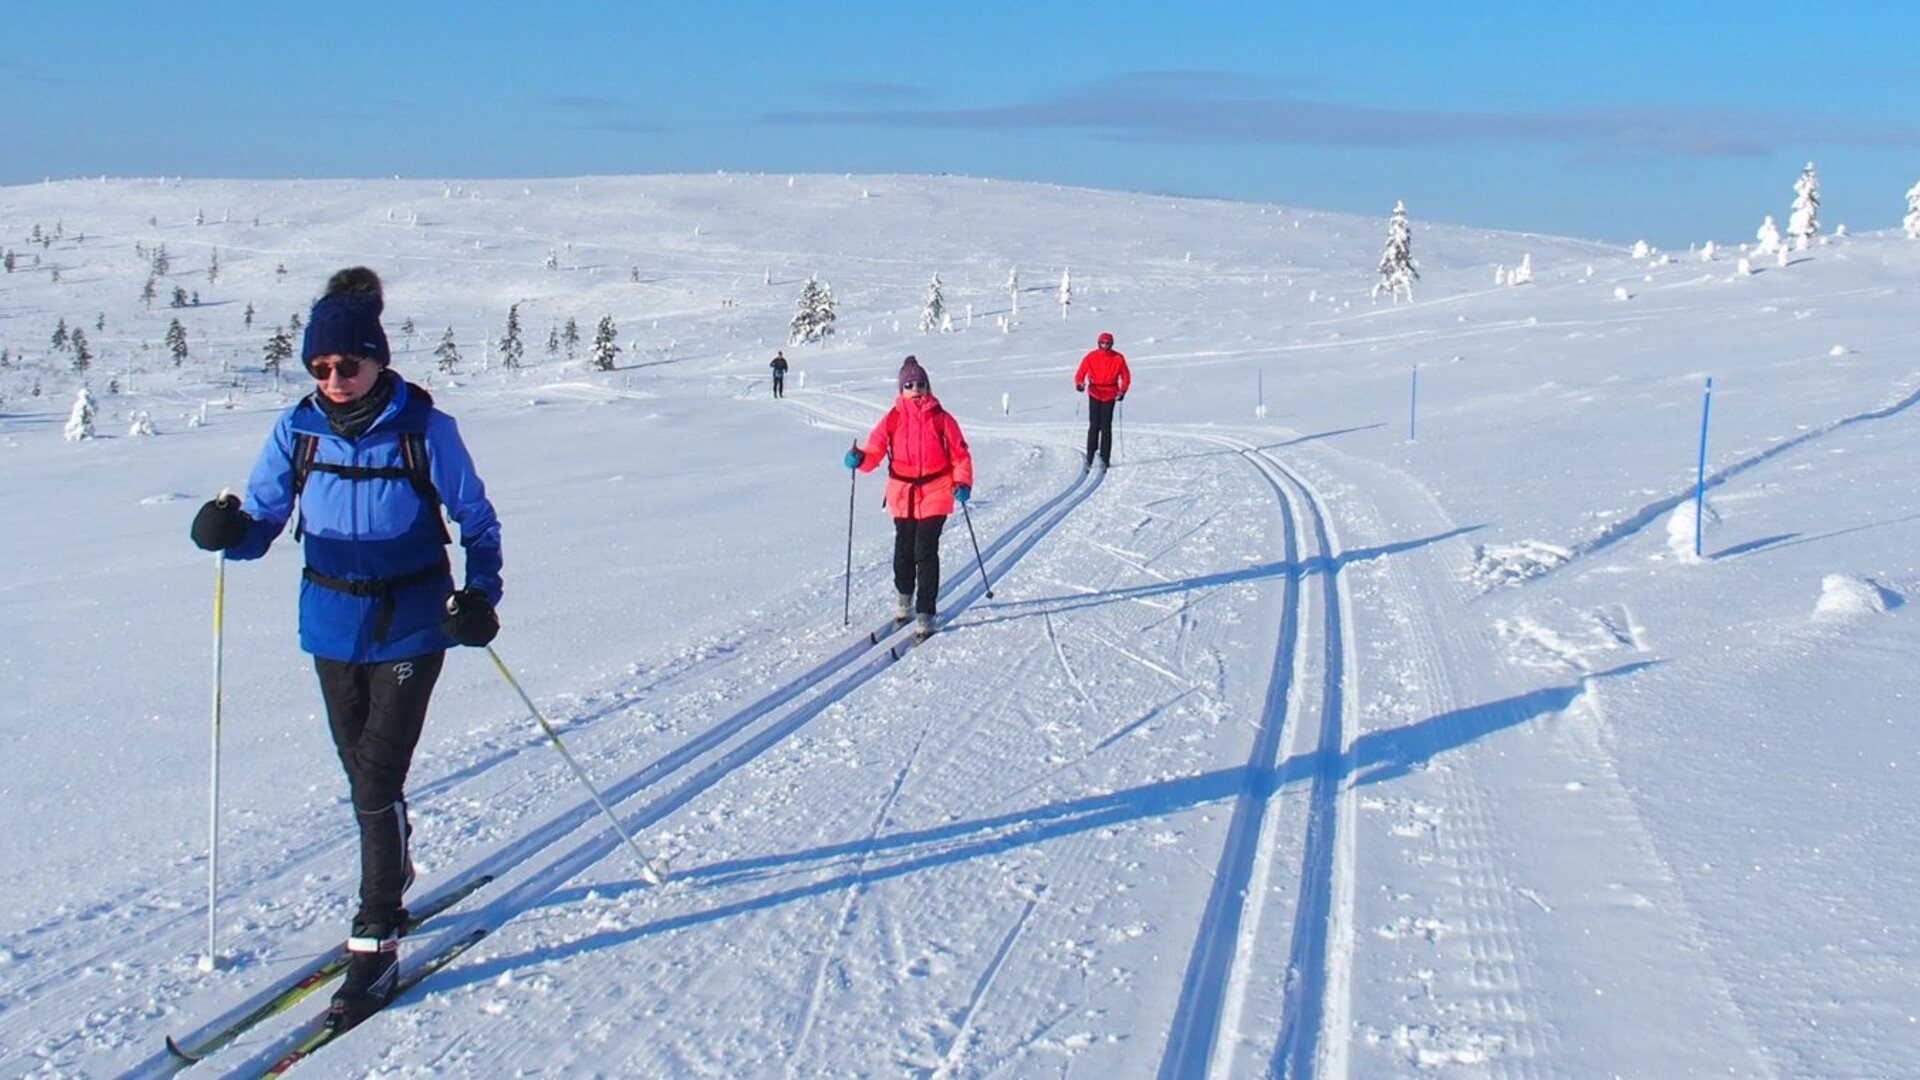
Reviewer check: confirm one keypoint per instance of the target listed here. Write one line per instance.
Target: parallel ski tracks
(1299, 740)
(530, 875)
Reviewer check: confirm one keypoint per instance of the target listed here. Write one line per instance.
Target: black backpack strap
(304, 447)
(301, 459)
(419, 466)
(416, 468)
(381, 589)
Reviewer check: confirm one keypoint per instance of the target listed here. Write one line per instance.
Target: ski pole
(211, 961)
(964, 512)
(649, 873)
(853, 480)
(1119, 414)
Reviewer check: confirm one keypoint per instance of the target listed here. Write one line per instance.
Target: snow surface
(1321, 737)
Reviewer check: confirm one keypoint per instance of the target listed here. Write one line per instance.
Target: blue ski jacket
(377, 576)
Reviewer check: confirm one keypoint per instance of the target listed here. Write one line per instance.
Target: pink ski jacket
(926, 456)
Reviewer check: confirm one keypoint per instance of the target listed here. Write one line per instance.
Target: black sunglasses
(347, 366)
(917, 384)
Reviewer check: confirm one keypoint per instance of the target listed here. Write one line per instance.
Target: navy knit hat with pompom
(346, 321)
(911, 372)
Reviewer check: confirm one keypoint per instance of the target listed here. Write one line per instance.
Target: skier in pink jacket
(929, 468)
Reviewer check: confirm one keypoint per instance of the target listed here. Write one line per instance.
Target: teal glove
(961, 493)
(855, 459)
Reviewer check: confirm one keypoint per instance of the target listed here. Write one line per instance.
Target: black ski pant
(376, 712)
(916, 559)
(779, 386)
(1099, 430)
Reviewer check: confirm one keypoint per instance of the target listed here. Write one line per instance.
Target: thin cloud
(1219, 108)
(585, 103)
(604, 114)
(876, 91)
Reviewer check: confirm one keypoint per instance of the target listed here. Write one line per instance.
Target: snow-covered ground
(1338, 731)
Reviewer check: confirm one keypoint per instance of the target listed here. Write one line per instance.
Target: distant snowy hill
(1374, 716)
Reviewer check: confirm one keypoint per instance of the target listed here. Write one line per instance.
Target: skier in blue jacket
(367, 463)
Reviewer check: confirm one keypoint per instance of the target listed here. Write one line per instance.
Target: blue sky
(1672, 122)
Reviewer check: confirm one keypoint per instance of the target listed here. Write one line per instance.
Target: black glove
(470, 618)
(1121, 397)
(220, 524)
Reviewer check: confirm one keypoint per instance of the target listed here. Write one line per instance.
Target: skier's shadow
(1377, 757)
(1005, 610)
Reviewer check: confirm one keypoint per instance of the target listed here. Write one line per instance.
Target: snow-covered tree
(511, 347)
(148, 292)
(571, 336)
(177, 342)
(447, 353)
(930, 315)
(1805, 222)
(1066, 292)
(814, 313)
(1397, 269)
(1522, 274)
(605, 344)
(249, 317)
(1013, 288)
(277, 351)
(1769, 237)
(213, 266)
(60, 336)
(80, 422)
(82, 354)
(1913, 212)
(142, 424)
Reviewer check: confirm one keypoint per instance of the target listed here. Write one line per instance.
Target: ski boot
(373, 967)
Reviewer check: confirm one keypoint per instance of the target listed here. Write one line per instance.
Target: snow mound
(1510, 564)
(1680, 530)
(1843, 597)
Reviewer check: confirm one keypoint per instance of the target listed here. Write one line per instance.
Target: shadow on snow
(1377, 757)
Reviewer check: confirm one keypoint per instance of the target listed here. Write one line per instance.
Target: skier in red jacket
(1104, 378)
(929, 469)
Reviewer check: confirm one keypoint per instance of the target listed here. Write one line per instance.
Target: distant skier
(375, 464)
(929, 469)
(779, 366)
(1104, 378)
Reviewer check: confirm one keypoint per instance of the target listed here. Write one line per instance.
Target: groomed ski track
(1277, 871)
(715, 753)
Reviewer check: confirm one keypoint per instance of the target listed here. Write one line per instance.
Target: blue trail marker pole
(1700, 483)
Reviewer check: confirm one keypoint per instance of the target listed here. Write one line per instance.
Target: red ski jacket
(1103, 375)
